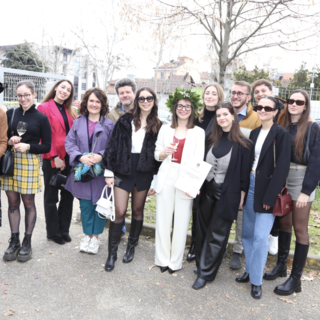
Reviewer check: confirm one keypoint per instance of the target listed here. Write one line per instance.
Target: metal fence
(10, 77)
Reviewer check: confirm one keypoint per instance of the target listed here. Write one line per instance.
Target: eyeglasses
(25, 96)
(298, 102)
(266, 108)
(238, 93)
(181, 106)
(149, 99)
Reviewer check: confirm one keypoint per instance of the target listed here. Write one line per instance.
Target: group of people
(253, 152)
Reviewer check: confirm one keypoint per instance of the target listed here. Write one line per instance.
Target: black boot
(293, 283)
(280, 269)
(192, 254)
(25, 252)
(133, 240)
(13, 249)
(113, 242)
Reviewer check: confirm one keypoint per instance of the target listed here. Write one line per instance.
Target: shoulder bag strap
(14, 110)
(309, 132)
(274, 152)
(97, 136)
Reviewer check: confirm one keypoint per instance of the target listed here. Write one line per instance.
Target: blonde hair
(220, 98)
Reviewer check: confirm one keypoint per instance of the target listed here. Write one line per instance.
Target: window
(65, 57)
(93, 84)
(75, 97)
(82, 97)
(76, 89)
(94, 76)
(65, 69)
(83, 86)
(162, 75)
(84, 75)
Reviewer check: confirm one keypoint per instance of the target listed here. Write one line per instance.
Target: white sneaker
(93, 246)
(84, 243)
(273, 247)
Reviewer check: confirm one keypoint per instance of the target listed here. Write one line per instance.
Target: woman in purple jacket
(89, 127)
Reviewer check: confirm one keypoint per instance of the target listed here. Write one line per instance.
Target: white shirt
(257, 149)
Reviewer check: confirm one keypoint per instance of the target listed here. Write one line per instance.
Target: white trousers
(168, 202)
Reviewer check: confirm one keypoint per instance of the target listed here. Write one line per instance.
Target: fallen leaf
(262, 305)
(286, 300)
(228, 297)
(148, 237)
(289, 261)
(37, 309)
(304, 278)
(9, 313)
(150, 268)
(174, 274)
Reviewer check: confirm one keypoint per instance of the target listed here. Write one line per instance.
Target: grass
(314, 222)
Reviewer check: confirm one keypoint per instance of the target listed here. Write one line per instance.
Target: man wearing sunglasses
(126, 90)
(248, 120)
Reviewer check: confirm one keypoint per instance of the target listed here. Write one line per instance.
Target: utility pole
(312, 83)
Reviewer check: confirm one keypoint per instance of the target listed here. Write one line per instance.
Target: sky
(27, 20)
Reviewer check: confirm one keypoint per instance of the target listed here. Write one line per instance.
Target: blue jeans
(91, 222)
(123, 229)
(255, 236)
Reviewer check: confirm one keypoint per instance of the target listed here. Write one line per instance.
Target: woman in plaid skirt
(26, 178)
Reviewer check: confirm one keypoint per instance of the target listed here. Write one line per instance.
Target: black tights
(298, 218)
(121, 198)
(14, 211)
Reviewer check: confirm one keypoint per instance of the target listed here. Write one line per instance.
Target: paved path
(62, 283)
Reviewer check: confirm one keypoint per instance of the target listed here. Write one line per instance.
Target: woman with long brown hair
(57, 105)
(223, 192)
(211, 96)
(129, 166)
(303, 178)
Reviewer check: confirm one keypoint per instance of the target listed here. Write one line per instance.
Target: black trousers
(58, 220)
(212, 232)
(276, 227)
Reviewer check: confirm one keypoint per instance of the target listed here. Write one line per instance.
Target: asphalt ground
(59, 282)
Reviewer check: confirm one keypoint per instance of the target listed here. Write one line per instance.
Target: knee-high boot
(113, 242)
(133, 240)
(192, 254)
(293, 283)
(280, 269)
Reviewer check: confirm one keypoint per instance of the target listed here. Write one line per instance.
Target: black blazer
(269, 179)
(237, 179)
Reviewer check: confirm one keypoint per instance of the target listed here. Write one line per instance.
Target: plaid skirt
(26, 177)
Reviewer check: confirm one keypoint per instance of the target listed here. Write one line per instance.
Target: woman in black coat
(303, 178)
(130, 166)
(223, 192)
(270, 167)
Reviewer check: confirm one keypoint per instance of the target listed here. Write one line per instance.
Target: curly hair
(153, 122)
(125, 82)
(102, 97)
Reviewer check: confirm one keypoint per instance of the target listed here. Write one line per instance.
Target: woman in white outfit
(169, 254)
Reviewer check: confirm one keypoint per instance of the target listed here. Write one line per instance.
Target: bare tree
(238, 27)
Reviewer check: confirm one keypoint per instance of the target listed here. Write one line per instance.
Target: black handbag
(58, 180)
(306, 153)
(90, 175)
(7, 161)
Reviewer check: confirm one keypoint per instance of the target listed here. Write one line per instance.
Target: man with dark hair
(248, 120)
(126, 90)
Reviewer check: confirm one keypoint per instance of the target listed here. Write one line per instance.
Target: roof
(204, 75)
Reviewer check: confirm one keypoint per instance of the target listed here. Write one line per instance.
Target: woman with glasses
(212, 95)
(57, 105)
(26, 128)
(129, 166)
(269, 170)
(302, 180)
(223, 192)
(176, 144)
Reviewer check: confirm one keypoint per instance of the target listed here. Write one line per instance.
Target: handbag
(58, 180)
(105, 206)
(283, 204)
(7, 161)
(306, 153)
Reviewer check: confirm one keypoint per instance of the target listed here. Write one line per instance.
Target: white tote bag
(105, 206)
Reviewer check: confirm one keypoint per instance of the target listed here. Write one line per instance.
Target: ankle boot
(13, 249)
(280, 269)
(293, 283)
(192, 254)
(113, 242)
(133, 240)
(25, 252)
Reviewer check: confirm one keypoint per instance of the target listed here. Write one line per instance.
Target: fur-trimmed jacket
(117, 156)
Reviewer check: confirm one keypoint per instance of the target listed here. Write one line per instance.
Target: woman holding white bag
(85, 144)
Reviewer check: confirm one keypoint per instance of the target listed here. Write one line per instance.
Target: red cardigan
(58, 130)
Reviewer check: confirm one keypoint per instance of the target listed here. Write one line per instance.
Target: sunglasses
(266, 108)
(298, 102)
(149, 99)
